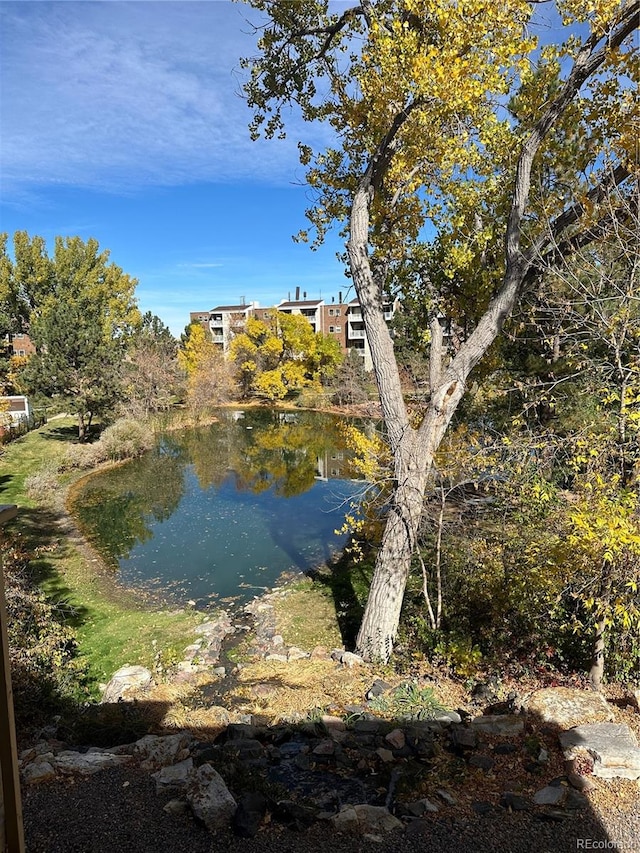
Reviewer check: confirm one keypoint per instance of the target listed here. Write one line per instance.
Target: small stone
(177, 808)
(385, 755)
(513, 802)
(483, 762)
(295, 653)
(552, 795)
(505, 748)
(350, 659)
(325, 747)
(504, 725)
(446, 797)
(280, 658)
(396, 739)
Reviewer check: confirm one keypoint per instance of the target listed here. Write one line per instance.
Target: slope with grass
(114, 626)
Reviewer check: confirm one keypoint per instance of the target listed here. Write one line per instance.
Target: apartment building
(341, 320)
(20, 344)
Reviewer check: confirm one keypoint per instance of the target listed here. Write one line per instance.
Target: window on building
(331, 329)
(331, 312)
(338, 329)
(337, 312)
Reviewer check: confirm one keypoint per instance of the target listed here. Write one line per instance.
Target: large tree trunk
(413, 450)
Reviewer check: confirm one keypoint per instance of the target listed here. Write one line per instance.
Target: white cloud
(123, 95)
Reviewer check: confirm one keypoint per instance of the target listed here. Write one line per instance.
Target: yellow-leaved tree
(453, 127)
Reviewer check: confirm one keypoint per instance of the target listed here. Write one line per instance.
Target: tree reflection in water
(229, 507)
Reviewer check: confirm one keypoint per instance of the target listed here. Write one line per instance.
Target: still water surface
(220, 512)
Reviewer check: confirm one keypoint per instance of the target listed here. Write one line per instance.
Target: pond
(220, 512)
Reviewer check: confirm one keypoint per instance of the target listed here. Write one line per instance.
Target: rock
(325, 747)
(162, 750)
(396, 739)
(87, 763)
(483, 762)
(378, 688)
(446, 797)
(346, 820)
(278, 657)
(333, 724)
(613, 746)
(513, 802)
(552, 795)
(376, 818)
(177, 808)
(174, 777)
(38, 771)
(350, 659)
(464, 738)
(505, 748)
(319, 653)
(245, 749)
(504, 725)
(127, 683)
(210, 799)
(385, 755)
(295, 653)
(421, 807)
(252, 808)
(566, 706)
(447, 718)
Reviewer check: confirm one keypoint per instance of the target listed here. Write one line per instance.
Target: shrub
(80, 457)
(41, 484)
(42, 647)
(125, 439)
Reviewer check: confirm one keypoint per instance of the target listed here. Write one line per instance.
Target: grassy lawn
(114, 626)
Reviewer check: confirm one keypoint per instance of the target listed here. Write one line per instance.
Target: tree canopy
(470, 159)
(80, 311)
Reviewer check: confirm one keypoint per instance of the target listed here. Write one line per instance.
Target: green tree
(80, 311)
(415, 92)
(76, 361)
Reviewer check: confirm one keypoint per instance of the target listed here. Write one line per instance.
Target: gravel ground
(118, 811)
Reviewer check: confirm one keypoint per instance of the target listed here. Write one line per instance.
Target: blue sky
(123, 121)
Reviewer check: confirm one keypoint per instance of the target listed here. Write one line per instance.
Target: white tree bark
(413, 450)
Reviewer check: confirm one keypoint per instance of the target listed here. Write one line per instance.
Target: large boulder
(210, 799)
(613, 748)
(163, 750)
(127, 683)
(566, 707)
